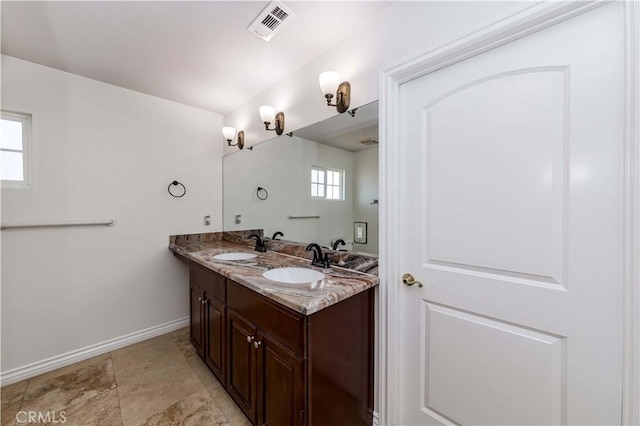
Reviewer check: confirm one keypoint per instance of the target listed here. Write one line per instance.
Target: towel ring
(176, 183)
(260, 190)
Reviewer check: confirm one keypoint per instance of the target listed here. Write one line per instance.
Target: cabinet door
(215, 336)
(197, 318)
(281, 384)
(241, 373)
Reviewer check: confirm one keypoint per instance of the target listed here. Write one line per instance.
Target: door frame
(529, 20)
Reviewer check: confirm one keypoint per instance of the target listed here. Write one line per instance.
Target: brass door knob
(409, 280)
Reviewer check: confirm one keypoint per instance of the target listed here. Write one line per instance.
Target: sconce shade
(267, 114)
(329, 81)
(229, 133)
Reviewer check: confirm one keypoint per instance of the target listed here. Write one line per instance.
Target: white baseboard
(376, 418)
(53, 363)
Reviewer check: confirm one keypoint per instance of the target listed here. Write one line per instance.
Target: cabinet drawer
(282, 323)
(209, 281)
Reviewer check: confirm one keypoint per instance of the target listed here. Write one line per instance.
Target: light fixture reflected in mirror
(329, 80)
(268, 115)
(229, 133)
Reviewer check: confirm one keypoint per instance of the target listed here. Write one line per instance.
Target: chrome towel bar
(106, 222)
(303, 217)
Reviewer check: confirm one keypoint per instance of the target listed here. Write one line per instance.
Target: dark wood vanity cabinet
(208, 318)
(215, 336)
(264, 378)
(266, 358)
(281, 367)
(242, 371)
(281, 384)
(196, 318)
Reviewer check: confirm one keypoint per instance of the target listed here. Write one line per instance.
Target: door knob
(409, 280)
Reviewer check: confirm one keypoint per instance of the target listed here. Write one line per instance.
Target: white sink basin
(234, 256)
(293, 275)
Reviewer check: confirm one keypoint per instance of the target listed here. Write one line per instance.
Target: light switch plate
(360, 232)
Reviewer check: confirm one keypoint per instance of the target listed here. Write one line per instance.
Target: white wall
(100, 151)
(366, 190)
(406, 29)
(283, 167)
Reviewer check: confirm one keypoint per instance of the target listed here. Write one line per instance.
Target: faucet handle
(326, 264)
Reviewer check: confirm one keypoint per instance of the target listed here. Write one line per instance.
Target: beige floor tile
(143, 344)
(100, 410)
(145, 392)
(184, 343)
(69, 389)
(11, 396)
(158, 382)
(69, 368)
(216, 388)
(9, 414)
(230, 409)
(182, 332)
(202, 371)
(153, 356)
(197, 410)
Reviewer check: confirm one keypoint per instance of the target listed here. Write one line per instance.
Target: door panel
(241, 376)
(476, 356)
(216, 337)
(282, 385)
(196, 318)
(511, 198)
(509, 181)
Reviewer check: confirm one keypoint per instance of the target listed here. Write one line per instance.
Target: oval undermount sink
(293, 275)
(234, 256)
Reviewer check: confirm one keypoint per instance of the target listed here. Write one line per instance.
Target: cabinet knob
(257, 344)
(249, 339)
(199, 299)
(204, 301)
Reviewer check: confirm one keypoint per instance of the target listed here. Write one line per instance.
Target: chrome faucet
(318, 259)
(338, 242)
(260, 245)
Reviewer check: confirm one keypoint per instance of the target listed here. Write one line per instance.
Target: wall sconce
(329, 80)
(229, 133)
(268, 116)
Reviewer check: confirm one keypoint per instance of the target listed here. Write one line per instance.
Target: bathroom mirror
(318, 184)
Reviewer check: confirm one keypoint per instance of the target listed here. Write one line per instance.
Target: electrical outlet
(207, 220)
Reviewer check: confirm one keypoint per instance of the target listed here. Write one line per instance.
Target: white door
(512, 207)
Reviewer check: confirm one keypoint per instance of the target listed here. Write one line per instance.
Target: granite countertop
(339, 283)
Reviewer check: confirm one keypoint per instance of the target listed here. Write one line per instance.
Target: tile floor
(157, 382)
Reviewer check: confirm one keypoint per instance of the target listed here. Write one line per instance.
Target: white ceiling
(196, 53)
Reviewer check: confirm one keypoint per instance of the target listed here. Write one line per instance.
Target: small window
(14, 148)
(327, 183)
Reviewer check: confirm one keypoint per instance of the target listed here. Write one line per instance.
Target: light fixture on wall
(329, 80)
(229, 133)
(268, 116)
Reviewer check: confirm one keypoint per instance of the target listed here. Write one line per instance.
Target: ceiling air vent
(369, 141)
(270, 20)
